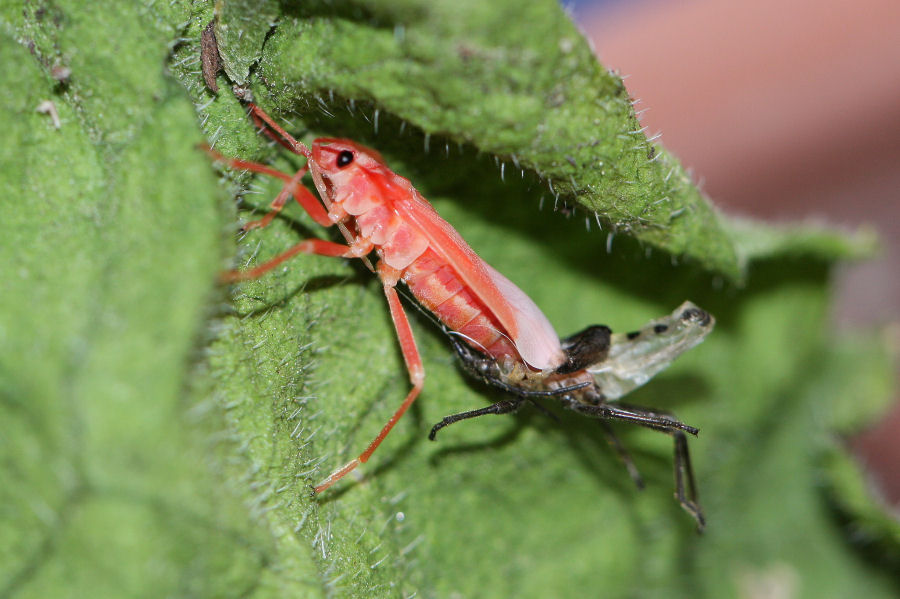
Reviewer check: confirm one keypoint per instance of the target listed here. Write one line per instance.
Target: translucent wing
(634, 358)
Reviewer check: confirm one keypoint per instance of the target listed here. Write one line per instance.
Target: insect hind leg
(623, 454)
(416, 376)
(684, 476)
(685, 484)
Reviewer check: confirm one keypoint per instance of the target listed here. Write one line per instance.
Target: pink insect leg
(304, 197)
(416, 377)
(307, 246)
(327, 248)
(307, 200)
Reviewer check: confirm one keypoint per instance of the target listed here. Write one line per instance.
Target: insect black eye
(344, 158)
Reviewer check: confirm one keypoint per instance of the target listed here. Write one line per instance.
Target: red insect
(376, 209)
(500, 335)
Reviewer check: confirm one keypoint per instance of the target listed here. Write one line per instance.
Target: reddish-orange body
(376, 209)
(438, 288)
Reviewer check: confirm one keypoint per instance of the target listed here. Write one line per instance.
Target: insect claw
(696, 513)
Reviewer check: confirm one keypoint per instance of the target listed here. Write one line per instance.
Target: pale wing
(634, 358)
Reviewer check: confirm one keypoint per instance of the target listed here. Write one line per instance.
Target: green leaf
(159, 436)
(531, 95)
(108, 268)
(755, 240)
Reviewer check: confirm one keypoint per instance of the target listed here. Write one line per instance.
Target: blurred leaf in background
(159, 436)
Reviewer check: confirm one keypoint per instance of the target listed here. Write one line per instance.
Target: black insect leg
(623, 454)
(685, 485)
(684, 472)
(505, 406)
(646, 418)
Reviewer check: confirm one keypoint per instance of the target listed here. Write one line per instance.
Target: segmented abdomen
(439, 289)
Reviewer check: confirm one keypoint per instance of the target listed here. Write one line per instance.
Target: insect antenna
(265, 123)
(505, 406)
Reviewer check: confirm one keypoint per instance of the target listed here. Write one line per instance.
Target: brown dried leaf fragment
(210, 61)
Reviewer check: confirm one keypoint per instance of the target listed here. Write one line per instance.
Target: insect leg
(685, 485)
(505, 406)
(292, 186)
(623, 454)
(416, 377)
(640, 416)
(307, 246)
(685, 473)
(532, 393)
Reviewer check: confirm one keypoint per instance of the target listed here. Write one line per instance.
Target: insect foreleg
(292, 186)
(416, 377)
(307, 246)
